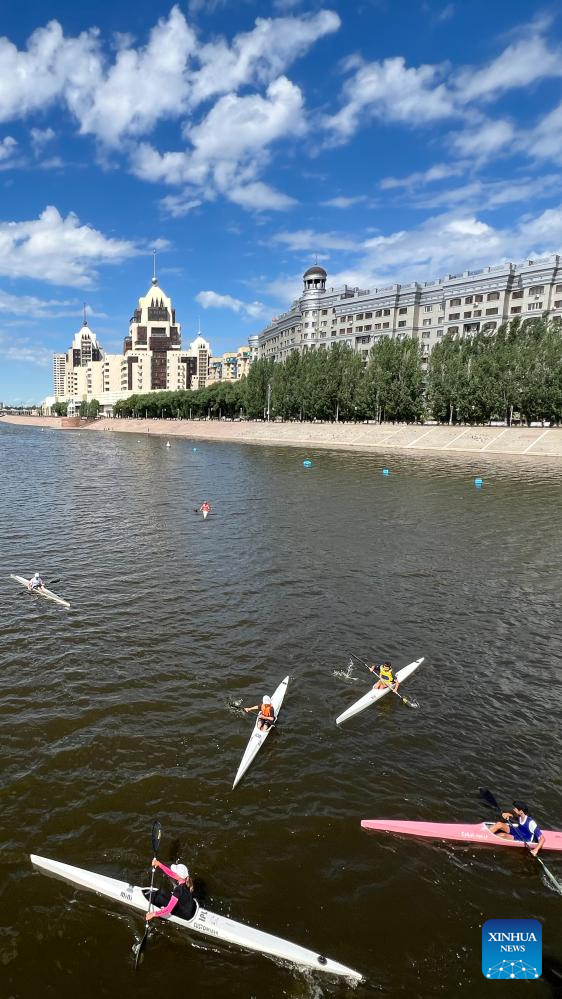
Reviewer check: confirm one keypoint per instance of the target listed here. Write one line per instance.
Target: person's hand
(535, 851)
(506, 815)
(154, 862)
(149, 916)
(246, 710)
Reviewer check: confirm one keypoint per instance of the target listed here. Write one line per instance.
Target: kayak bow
(374, 695)
(456, 832)
(41, 593)
(207, 923)
(258, 736)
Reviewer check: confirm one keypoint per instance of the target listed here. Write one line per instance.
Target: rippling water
(118, 711)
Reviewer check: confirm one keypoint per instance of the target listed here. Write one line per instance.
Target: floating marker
(194, 449)
(386, 471)
(479, 483)
(168, 444)
(307, 463)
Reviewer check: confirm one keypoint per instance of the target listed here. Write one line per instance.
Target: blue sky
(396, 141)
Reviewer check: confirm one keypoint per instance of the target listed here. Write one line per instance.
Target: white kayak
(258, 737)
(41, 593)
(207, 923)
(205, 514)
(374, 695)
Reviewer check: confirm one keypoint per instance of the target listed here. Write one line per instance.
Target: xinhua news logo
(512, 948)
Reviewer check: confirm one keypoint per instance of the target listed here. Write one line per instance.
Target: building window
(359, 329)
(324, 312)
(477, 312)
(427, 322)
(492, 312)
(537, 289)
(479, 298)
(558, 304)
(402, 311)
(517, 294)
(385, 326)
(428, 308)
(368, 315)
(515, 309)
(468, 300)
(455, 301)
(365, 328)
(467, 315)
(402, 322)
(377, 326)
(426, 335)
(492, 296)
(378, 313)
(439, 332)
(453, 329)
(349, 330)
(455, 315)
(359, 316)
(533, 307)
(386, 312)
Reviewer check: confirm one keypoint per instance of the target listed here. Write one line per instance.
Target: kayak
(374, 695)
(41, 593)
(205, 514)
(207, 923)
(457, 832)
(258, 737)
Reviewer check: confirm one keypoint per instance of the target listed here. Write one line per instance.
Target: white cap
(266, 699)
(180, 869)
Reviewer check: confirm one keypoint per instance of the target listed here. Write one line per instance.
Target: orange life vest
(267, 711)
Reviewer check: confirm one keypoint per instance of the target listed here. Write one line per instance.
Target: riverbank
(517, 442)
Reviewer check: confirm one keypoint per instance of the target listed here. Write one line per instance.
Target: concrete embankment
(517, 442)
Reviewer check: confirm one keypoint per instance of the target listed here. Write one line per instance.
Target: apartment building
(460, 304)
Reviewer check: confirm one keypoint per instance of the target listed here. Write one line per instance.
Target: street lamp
(268, 399)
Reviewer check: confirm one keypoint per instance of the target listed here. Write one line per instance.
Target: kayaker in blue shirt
(519, 825)
(36, 583)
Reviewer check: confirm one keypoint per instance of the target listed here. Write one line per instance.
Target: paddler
(36, 583)
(386, 676)
(181, 902)
(266, 717)
(519, 825)
(205, 507)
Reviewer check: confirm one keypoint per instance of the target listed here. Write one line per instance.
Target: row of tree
(89, 410)
(514, 372)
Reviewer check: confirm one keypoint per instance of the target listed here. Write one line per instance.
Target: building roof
(315, 269)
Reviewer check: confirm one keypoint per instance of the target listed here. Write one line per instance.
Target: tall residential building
(460, 304)
(152, 359)
(59, 369)
(232, 365)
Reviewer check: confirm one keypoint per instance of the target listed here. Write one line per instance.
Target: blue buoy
(386, 471)
(307, 463)
(194, 449)
(479, 483)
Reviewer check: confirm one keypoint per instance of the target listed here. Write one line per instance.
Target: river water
(118, 711)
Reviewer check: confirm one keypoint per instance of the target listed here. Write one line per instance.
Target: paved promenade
(520, 442)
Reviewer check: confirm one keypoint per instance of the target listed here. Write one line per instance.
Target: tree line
(513, 373)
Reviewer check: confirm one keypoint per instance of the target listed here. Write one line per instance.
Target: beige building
(460, 304)
(152, 358)
(231, 366)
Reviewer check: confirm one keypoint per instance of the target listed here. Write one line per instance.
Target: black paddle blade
(488, 797)
(156, 836)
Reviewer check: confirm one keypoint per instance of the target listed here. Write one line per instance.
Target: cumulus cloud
(521, 64)
(33, 307)
(58, 250)
(8, 146)
(23, 352)
(213, 300)
(40, 137)
(309, 239)
(343, 201)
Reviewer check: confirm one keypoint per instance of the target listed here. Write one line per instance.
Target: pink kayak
(457, 831)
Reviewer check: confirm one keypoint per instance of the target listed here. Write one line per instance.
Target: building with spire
(152, 359)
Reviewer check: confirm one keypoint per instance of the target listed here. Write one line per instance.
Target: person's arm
(166, 870)
(254, 707)
(507, 816)
(539, 845)
(166, 911)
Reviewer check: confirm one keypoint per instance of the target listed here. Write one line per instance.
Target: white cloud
(485, 139)
(522, 63)
(229, 147)
(545, 140)
(20, 352)
(341, 201)
(489, 194)
(391, 90)
(437, 172)
(8, 146)
(179, 205)
(58, 250)
(40, 137)
(212, 300)
(309, 239)
(36, 308)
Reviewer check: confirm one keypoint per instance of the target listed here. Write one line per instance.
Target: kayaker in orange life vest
(386, 676)
(266, 717)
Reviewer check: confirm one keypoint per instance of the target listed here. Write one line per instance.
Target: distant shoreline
(523, 443)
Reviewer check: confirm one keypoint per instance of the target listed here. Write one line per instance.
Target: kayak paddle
(156, 836)
(410, 702)
(488, 797)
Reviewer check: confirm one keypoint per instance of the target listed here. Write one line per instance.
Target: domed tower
(315, 278)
